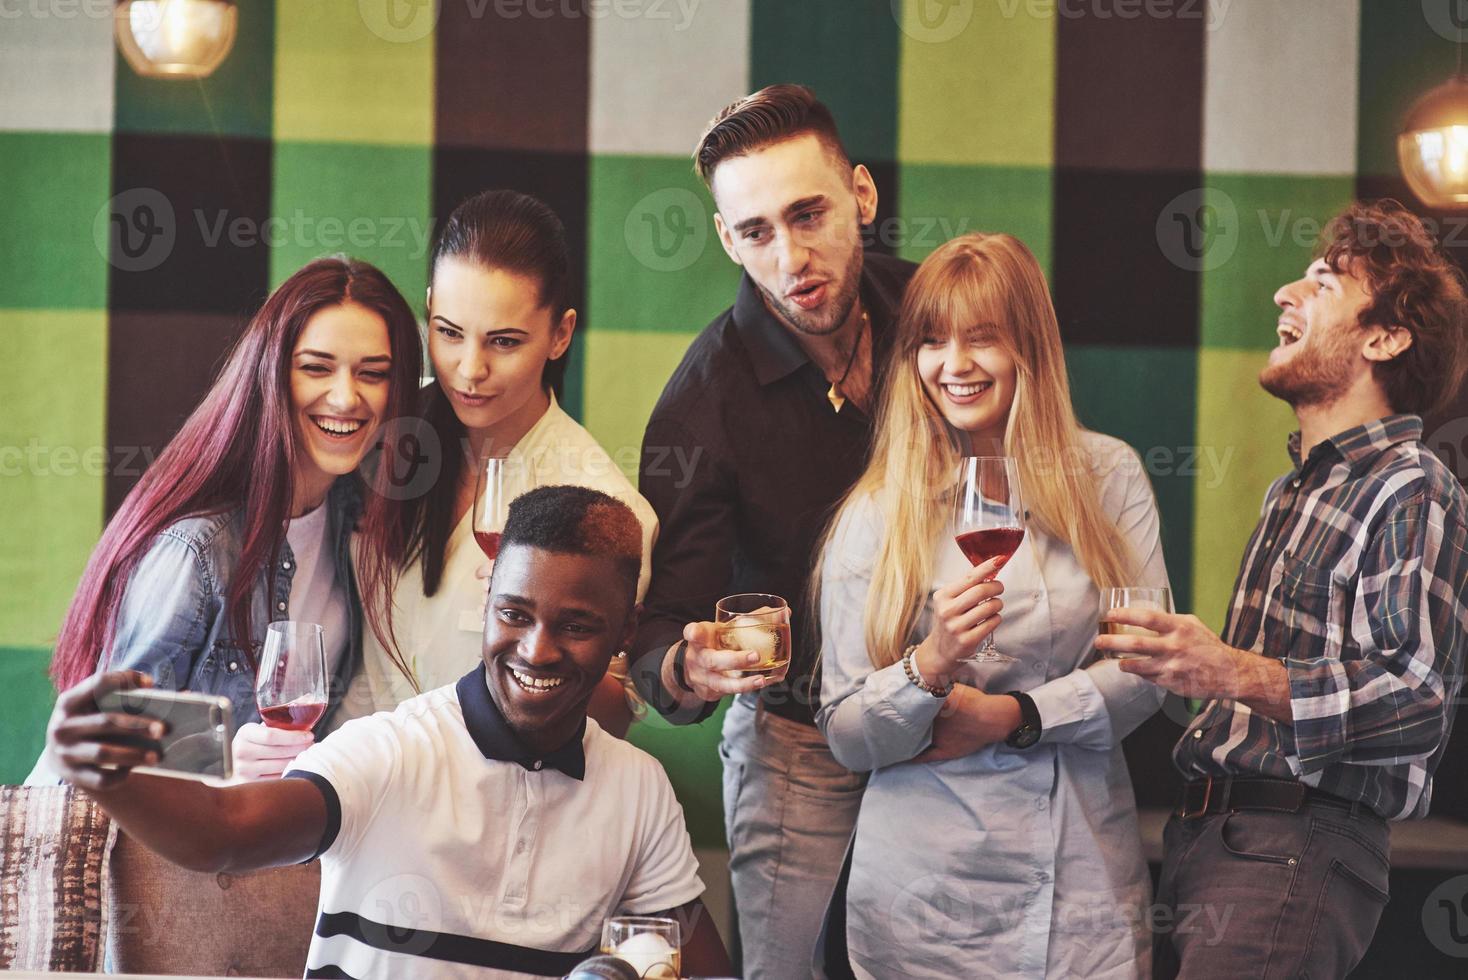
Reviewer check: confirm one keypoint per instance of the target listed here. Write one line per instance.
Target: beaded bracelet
(910, 669)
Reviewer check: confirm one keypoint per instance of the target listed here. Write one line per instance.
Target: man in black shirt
(772, 406)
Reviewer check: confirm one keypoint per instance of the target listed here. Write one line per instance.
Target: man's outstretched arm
(207, 828)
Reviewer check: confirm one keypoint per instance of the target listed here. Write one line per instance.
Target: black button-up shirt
(744, 461)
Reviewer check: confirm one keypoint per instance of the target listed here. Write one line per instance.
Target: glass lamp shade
(1433, 146)
(175, 38)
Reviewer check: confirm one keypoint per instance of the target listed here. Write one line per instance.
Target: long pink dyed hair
(235, 450)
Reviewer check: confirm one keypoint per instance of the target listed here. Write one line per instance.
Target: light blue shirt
(1006, 862)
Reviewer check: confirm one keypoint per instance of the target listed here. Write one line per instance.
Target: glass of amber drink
(757, 623)
(651, 946)
(1131, 597)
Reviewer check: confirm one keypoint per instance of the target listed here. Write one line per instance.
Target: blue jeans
(789, 811)
(1261, 894)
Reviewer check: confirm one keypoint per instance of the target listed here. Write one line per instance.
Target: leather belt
(1225, 795)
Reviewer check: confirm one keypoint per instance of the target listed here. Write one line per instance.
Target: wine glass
(491, 504)
(756, 623)
(290, 686)
(1131, 597)
(650, 945)
(988, 521)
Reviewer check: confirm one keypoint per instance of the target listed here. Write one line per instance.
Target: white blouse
(442, 636)
(1004, 862)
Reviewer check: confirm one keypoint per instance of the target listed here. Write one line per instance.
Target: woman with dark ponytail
(246, 516)
(499, 325)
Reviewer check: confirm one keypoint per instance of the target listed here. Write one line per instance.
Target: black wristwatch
(1028, 732)
(680, 678)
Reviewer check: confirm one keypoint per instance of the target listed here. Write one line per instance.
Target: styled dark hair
(571, 520)
(235, 451)
(1414, 286)
(771, 115)
(512, 231)
(496, 229)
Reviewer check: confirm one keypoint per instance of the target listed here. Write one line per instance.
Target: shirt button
(222, 879)
(520, 847)
(286, 564)
(234, 665)
(1269, 542)
(280, 606)
(1295, 483)
(1197, 733)
(538, 765)
(1041, 803)
(1035, 596)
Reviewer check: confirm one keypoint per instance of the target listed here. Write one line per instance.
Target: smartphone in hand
(200, 728)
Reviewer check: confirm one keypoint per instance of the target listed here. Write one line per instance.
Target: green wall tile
(942, 201)
(1147, 397)
(235, 100)
(616, 411)
(54, 248)
(847, 51)
(25, 705)
(1242, 433)
(976, 84)
(1401, 57)
(690, 754)
(573, 386)
(369, 201)
(654, 262)
(53, 460)
(337, 80)
(1262, 232)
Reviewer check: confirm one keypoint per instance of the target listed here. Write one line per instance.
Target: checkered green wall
(1169, 164)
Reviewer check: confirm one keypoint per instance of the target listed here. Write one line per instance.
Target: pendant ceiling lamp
(1433, 146)
(175, 38)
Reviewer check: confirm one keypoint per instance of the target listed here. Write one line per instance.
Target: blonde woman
(981, 850)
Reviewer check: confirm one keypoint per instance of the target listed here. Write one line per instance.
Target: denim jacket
(173, 623)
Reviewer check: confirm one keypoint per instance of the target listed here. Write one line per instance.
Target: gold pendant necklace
(833, 395)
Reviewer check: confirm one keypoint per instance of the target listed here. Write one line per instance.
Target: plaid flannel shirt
(1356, 578)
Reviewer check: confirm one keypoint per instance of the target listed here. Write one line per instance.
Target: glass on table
(1131, 597)
(290, 684)
(650, 945)
(988, 522)
(758, 623)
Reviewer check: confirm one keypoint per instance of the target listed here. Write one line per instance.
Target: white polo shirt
(451, 850)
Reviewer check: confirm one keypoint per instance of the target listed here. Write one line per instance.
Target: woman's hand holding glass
(261, 752)
(965, 613)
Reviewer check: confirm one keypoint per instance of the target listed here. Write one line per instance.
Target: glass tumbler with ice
(756, 623)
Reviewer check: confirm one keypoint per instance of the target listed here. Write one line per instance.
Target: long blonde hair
(991, 280)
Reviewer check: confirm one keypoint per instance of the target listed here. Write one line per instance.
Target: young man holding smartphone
(486, 823)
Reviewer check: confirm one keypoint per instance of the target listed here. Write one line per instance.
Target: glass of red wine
(491, 505)
(290, 685)
(988, 521)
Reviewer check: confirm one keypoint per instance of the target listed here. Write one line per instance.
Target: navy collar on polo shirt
(497, 740)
